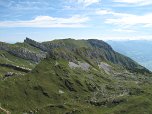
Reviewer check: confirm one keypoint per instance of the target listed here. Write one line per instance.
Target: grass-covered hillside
(78, 77)
(15, 57)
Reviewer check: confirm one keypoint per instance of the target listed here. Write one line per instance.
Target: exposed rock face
(99, 44)
(106, 67)
(69, 85)
(22, 52)
(36, 44)
(8, 74)
(82, 65)
(16, 67)
(61, 92)
(73, 65)
(26, 54)
(4, 46)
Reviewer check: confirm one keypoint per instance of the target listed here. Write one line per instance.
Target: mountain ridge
(30, 52)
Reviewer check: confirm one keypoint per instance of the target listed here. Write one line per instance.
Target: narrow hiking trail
(4, 110)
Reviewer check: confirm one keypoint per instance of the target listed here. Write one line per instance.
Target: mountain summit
(93, 50)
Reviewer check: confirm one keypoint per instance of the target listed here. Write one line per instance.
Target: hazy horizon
(108, 40)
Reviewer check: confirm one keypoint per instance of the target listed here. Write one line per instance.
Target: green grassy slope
(57, 89)
(8, 57)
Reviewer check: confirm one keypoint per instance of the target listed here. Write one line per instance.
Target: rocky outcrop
(99, 44)
(36, 44)
(82, 65)
(8, 74)
(22, 69)
(22, 52)
(106, 67)
(69, 85)
(26, 54)
(112, 101)
(4, 46)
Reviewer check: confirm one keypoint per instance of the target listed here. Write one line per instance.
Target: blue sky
(45, 20)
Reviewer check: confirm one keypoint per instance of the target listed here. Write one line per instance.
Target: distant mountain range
(138, 50)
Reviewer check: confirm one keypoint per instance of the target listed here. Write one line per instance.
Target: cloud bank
(48, 22)
(135, 2)
(125, 19)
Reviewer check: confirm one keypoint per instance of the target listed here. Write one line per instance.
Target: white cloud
(48, 22)
(86, 2)
(132, 20)
(125, 19)
(89, 2)
(103, 12)
(124, 30)
(135, 2)
(106, 12)
(25, 4)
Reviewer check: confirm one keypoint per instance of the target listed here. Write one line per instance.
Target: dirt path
(4, 110)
